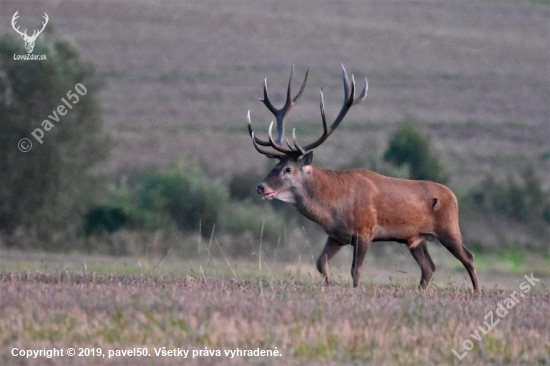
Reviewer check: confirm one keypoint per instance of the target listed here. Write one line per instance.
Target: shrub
(409, 147)
(191, 200)
(104, 218)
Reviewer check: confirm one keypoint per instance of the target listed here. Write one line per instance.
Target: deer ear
(306, 159)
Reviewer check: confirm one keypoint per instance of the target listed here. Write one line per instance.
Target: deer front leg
(331, 248)
(360, 246)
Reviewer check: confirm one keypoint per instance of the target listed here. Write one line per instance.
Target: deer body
(359, 207)
(361, 201)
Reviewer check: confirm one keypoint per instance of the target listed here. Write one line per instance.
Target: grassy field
(107, 304)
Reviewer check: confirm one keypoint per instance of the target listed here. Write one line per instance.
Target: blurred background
(155, 157)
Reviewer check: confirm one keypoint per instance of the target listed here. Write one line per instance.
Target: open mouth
(268, 196)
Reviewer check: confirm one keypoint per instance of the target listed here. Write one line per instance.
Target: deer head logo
(29, 40)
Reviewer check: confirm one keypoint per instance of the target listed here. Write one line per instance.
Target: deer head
(29, 40)
(294, 159)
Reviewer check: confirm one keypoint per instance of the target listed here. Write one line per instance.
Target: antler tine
(251, 133)
(301, 88)
(275, 145)
(298, 147)
(349, 100)
(269, 154)
(323, 115)
(280, 152)
(346, 83)
(266, 100)
(289, 103)
(13, 21)
(14, 18)
(363, 95)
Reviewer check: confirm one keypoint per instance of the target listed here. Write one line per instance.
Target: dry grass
(308, 323)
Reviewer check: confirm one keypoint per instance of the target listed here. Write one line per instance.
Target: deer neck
(317, 195)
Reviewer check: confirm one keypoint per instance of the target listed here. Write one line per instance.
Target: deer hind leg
(422, 257)
(331, 248)
(360, 247)
(453, 243)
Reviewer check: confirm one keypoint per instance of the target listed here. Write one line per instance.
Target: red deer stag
(358, 207)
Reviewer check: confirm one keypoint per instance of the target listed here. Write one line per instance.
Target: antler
(24, 34)
(15, 16)
(280, 115)
(349, 100)
(294, 150)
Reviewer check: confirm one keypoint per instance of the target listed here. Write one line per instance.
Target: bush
(104, 218)
(191, 200)
(409, 147)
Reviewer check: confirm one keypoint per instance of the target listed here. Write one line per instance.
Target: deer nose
(260, 189)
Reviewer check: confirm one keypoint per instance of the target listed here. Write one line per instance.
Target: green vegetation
(522, 199)
(191, 201)
(184, 198)
(43, 191)
(409, 147)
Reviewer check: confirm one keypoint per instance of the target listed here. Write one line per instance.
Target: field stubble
(309, 323)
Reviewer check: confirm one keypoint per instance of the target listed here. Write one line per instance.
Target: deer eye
(288, 169)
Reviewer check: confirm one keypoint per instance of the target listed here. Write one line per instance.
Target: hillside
(180, 76)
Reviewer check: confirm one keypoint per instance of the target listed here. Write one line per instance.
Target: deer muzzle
(266, 193)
